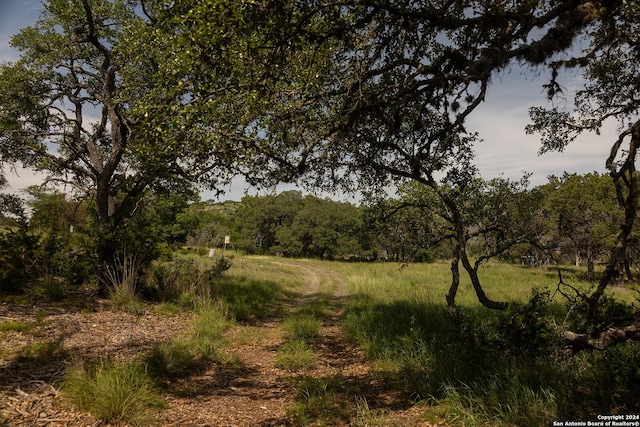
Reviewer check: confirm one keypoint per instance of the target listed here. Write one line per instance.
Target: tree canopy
(118, 97)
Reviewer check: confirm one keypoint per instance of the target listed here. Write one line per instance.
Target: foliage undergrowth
(183, 280)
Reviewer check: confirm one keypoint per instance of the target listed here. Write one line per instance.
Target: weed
(115, 392)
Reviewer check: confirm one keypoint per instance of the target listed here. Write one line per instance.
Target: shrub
(181, 280)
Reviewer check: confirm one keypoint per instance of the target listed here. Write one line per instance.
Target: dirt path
(256, 392)
(246, 390)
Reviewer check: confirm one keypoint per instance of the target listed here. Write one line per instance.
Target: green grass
(171, 359)
(210, 322)
(302, 326)
(180, 356)
(16, 326)
(115, 392)
(294, 355)
(319, 399)
(257, 287)
(367, 417)
(431, 281)
(482, 367)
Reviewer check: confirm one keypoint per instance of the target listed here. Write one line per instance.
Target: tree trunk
(601, 340)
(477, 286)
(625, 180)
(627, 269)
(455, 282)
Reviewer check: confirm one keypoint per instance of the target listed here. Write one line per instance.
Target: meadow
(481, 366)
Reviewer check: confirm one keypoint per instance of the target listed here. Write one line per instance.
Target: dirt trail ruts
(256, 392)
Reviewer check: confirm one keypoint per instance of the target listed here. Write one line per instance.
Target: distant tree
(203, 224)
(407, 228)
(295, 225)
(53, 211)
(259, 218)
(323, 228)
(584, 215)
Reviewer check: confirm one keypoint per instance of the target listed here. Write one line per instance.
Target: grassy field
(485, 367)
(482, 367)
(428, 283)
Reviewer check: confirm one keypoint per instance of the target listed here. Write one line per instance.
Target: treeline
(573, 218)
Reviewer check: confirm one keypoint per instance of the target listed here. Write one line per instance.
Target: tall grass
(121, 278)
(210, 322)
(181, 355)
(115, 392)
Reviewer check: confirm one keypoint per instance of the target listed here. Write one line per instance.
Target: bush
(181, 280)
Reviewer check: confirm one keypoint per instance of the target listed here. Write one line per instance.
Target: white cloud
(19, 178)
(507, 150)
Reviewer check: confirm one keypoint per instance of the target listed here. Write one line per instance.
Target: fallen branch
(601, 340)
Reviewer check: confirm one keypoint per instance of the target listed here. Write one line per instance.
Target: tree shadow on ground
(250, 300)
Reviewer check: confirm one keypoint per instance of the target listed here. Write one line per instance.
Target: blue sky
(505, 150)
